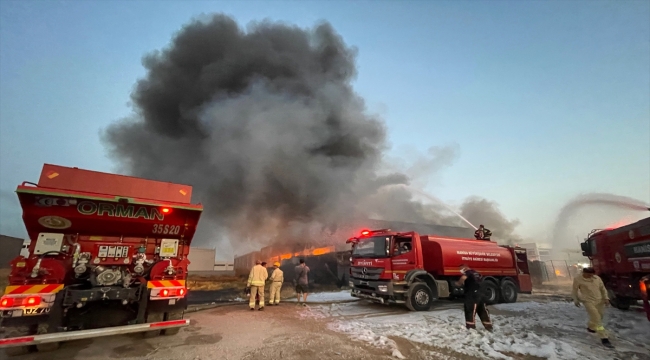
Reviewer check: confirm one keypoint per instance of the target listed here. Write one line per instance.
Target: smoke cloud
(266, 127)
(482, 211)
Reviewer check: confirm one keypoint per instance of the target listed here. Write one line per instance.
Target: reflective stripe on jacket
(258, 276)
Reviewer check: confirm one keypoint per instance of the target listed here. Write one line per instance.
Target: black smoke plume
(264, 124)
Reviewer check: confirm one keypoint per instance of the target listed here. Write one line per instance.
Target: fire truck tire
(42, 329)
(491, 292)
(17, 350)
(419, 297)
(508, 292)
(48, 347)
(153, 317)
(618, 302)
(173, 316)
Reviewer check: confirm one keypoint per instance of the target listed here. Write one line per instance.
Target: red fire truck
(408, 268)
(621, 257)
(108, 255)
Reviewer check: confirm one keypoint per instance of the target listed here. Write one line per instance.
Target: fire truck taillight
(32, 301)
(644, 289)
(181, 292)
(6, 302)
(164, 292)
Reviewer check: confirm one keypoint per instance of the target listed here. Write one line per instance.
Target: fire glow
(307, 252)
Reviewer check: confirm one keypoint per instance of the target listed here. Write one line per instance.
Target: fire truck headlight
(351, 284)
(382, 288)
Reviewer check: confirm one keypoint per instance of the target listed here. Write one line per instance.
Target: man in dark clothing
(474, 300)
(302, 282)
(482, 233)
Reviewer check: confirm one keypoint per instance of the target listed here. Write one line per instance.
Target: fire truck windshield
(372, 247)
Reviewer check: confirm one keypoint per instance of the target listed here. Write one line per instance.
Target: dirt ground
(230, 333)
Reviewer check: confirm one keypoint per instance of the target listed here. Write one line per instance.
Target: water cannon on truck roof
(108, 255)
(409, 268)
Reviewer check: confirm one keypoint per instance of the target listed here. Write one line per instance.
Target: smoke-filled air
(266, 127)
(599, 211)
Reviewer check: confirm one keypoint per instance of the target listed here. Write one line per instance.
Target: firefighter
(257, 297)
(482, 233)
(277, 278)
(593, 296)
(256, 280)
(474, 299)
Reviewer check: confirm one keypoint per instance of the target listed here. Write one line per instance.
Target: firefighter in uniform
(256, 280)
(474, 300)
(482, 233)
(277, 278)
(593, 296)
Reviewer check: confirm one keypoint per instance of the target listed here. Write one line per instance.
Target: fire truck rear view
(108, 255)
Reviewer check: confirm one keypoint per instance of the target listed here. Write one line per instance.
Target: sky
(545, 100)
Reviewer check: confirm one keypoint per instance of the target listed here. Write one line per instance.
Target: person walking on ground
(277, 278)
(302, 281)
(593, 295)
(256, 280)
(474, 299)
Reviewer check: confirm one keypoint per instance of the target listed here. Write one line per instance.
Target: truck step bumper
(369, 297)
(85, 334)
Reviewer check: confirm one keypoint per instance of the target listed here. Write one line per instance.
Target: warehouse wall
(201, 259)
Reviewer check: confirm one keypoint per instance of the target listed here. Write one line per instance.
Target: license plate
(172, 301)
(364, 283)
(36, 311)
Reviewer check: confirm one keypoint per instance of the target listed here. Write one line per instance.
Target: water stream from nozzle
(433, 198)
(571, 208)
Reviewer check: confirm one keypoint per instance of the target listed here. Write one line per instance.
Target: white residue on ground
(554, 330)
(327, 297)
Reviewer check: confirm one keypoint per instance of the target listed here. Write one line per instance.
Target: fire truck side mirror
(586, 249)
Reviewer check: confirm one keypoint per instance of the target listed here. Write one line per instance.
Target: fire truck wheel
(153, 317)
(508, 292)
(18, 350)
(491, 291)
(618, 302)
(173, 316)
(48, 347)
(42, 329)
(419, 297)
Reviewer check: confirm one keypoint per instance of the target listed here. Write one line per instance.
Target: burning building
(325, 250)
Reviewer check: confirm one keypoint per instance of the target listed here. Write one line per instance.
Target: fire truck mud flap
(86, 334)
